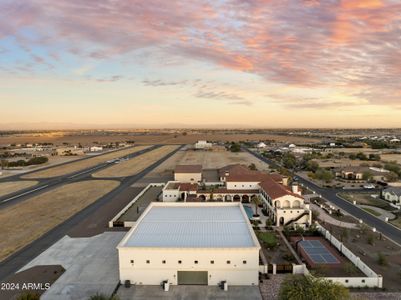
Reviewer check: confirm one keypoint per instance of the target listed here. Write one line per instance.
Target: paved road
(388, 230)
(16, 261)
(50, 183)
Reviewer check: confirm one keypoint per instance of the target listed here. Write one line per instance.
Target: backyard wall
(130, 224)
(372, 279)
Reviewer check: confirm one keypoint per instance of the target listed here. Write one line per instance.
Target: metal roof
(187, 226)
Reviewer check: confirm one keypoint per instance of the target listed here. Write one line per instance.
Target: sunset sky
(192, 63)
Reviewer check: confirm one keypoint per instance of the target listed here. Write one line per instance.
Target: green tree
(299, 287)
(393, 167)
(289, 161)
(235, 147)
(257, 201)
(252, 167)
(367, 175)
(375, 157)
(391, 177)
(361, 156)
(312, 165)
(324, 175)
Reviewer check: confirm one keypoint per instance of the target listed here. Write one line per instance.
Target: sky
(234, 63)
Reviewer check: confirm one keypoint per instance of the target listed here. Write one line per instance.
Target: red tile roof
(276, 190)
(188, 169)
(188, 186)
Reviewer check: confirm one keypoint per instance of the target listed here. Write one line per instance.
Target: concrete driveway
(189, 292)
(91, 266)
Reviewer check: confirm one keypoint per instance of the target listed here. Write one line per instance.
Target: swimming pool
(249, 211)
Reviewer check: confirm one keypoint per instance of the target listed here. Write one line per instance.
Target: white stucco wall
(242, 185)
(235, 273)
(188, 177)
(170, 195)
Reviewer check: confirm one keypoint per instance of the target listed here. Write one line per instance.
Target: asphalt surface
(46, 184)
(386, 229)
(20, 258)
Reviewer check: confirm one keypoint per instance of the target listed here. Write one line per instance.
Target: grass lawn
(268, 238)
(26, 221)
(371, 211)
(366, 199)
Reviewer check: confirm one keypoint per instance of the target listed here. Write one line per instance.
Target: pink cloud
(350, 43)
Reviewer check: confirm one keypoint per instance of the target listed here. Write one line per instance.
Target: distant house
(392, 194)
(356, 173)
(203, 145)
(96, 148)
(261, 145)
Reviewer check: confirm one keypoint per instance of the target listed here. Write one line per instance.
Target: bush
(381, 259)
(299, 287)
(29, 296)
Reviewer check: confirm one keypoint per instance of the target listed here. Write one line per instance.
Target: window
(163, 261)
(346, 280)
(228, 262)
(363, 280)
(212, 262)
(132, 261)
(148, 261)
(179, 261)
(244, 262)
(195, 262)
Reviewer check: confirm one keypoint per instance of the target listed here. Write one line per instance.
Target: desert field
(391, 157)
(135, 165)
(152, 139)
(26, 221)
(340, 163)
(80, 165)
(14, 186)
(210, 160)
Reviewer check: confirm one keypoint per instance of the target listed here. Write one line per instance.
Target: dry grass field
(153, 139)
(80, 165)
(209, 160)
(391, 157)
(14, 186)
(340, 163)
(135, 165)
(26, 221)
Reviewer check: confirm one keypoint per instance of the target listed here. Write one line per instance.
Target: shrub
(299, 287)
(381, 259)
(29, 296)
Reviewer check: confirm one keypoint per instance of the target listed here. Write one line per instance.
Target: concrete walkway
(324, 216)
(91, 266)
(383, 213)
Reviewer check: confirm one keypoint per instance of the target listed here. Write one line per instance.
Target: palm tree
(256, 200)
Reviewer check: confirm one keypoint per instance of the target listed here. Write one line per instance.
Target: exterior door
(192, 277)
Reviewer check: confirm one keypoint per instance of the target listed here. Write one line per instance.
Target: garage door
(192, 277)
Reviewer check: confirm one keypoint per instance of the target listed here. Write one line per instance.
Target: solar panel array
(317, 252)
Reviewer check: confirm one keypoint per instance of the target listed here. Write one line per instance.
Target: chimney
(295, 188)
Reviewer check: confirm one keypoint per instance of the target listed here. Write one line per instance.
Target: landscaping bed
(366, 199)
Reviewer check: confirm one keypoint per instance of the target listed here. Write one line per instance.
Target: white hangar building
(190, 243)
